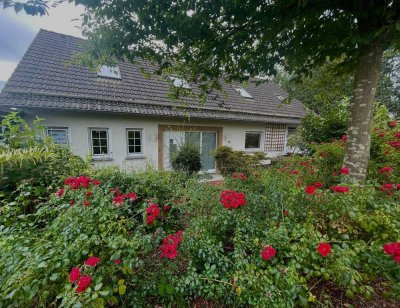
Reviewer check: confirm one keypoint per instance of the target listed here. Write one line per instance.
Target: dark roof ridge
(63, 34)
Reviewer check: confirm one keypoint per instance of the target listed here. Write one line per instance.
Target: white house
(122, 118)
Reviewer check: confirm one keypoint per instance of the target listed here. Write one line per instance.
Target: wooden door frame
(183, 128)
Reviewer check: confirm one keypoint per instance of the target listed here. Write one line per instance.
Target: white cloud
(64, 18)
(6, 69)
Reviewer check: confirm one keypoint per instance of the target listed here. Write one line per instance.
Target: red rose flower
(386, 170)
(310, 190)
(60, 192)
(386, 187)
(344, 170)
(71, 202)
(344, 137)
(386, 152)
(232, 199)
(150, 219)
(393, 123)
(169, 251)
(268, 253)
(117, 261)
(74, 274)
(83, 283)
(318, 185)
(86, 203)
(92, 261)
(398, 186)
(166, 208)
(286, 213)
(295, 172)
(114, 191)
(395, 144)
(152, 212)
(334, 173)
(340, 189)
(298, 183)
(119, 199)
(392, 248)
(324, 249)
(381, 134)
(88, 194)
(396, 258)
(96, 182)
(169, 248)
(132, 196)
(239, 175)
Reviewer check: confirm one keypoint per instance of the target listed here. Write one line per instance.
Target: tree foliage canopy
(238, 39)
(234, 38)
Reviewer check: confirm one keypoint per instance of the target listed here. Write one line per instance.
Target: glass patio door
(205, 141)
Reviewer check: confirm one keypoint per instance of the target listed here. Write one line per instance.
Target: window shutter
(275, 137)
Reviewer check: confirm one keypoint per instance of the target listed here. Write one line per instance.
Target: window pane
(137, 149)
(96, 142)
(103, 142)
(103, 150)
(138, 142)
(59, 136)
(103, 134)
(96, 150)
(131, 149)
(95, 134)
(252, 140)
(137, 134)
(131, 134)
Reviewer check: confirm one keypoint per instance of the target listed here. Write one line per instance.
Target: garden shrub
(294, 234)
(187, 159)
(230, 161)
(30, 163)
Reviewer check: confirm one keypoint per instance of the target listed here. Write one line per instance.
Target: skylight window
(179, 82)
(109, 72)
(243, 93)
(280, 97)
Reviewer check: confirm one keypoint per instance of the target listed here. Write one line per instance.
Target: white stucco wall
(80, 122)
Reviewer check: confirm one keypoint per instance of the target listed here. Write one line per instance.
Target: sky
(18, 31)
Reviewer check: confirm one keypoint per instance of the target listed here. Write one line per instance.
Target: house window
(253, 140)
(243, 93)
(275, 137)
(99, 141)
(58, 134)
(109, 72)
(135, 142)
(179, 82)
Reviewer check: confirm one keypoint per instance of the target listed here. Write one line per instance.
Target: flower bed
(295, 234)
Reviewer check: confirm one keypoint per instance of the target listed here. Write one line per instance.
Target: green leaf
(54, 276)
(98, 286)
(18, 6)
(122, 289)
(170, 289)
(121, 282)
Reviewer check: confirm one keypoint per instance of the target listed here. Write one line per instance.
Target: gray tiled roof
(43, 80)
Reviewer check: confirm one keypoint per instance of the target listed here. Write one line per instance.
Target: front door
(204, 140)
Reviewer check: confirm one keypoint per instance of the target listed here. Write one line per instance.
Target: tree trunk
(361, 111)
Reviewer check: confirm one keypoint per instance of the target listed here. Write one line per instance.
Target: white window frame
(243, 93)
(111, 72)
(179, 82)
(65, 128)
(260, 141)
(142, 145)
(109, 147)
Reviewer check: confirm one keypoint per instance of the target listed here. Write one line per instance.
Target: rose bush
(265, 238)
